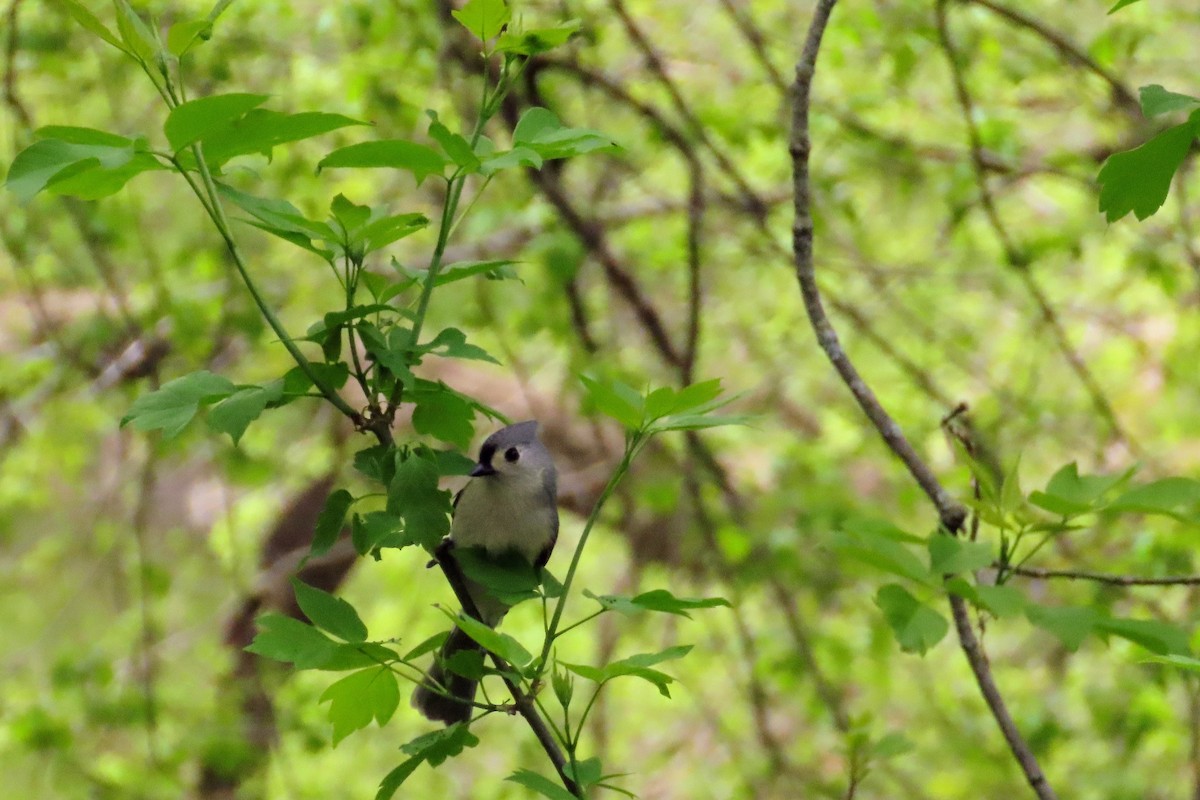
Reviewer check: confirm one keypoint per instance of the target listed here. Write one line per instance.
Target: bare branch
(1104, 577)
(951, 513)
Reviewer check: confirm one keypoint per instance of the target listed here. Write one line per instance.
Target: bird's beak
(482, 469)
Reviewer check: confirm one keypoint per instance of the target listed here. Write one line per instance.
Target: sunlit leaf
(418, 159)
(360, 697)
(290, 640)
(195, 119)
(173, 406)
(331, 614)
(1138, 180)
(483, 18)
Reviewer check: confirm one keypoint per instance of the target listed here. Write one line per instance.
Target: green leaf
(638, 666)
(517, 157)
(376, 463)
(182, 36)
(1156, 101)
(1158, 637)
(660, 600)
(455, 145)
(88, 20)
(695, 422)
(433, 747)
(385, 230)
(358, 656)
(1121, 4)
(235, 413)
(501, 644)
(173, 406)
(330, 521)
(445, 415)
(1182, 662)
(509, 577)
(141, 41)
(427, 646)
(295, 381)
(1169, 496)
(261, 130)
(1138, 180)
(613, 403)
(377, 529)
(496, 269)
(538, 40)
(540, 784)
(290, 640)
(437, 746)
(1068, 493)
(331, 614)
(452, 343)
(539, 129)
(418, 159)
(61, 163)
(196, 119)
(1070, 625)
(413, 494)
(483, 18)
(284, 220)
(949, 555)
(396, 778)
(917, 626)
(360, 697)
(886, 554)
(1001, 601)
(696, 395)
(350, 215)
(871, 527)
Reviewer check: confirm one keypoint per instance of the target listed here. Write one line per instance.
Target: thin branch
(982, 670)
(1120, 92)
(524, 703)
(951, 513)
(1104, 577)
(1016, 259)
(695, 127)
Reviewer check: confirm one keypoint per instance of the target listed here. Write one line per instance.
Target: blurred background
(131, 568)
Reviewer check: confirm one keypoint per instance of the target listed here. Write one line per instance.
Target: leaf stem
(217, 213)
(632, 445)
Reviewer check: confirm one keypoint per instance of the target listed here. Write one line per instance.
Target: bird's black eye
(511, 454)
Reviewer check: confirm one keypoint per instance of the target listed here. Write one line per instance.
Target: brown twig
(1103, 577)
(1123, 98)
(1017, 260)
(951, 513)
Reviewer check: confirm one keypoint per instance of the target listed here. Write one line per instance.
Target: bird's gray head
(512, 451)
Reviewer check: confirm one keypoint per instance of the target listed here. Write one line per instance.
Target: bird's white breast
(503, 513)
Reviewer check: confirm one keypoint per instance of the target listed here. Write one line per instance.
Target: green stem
(574, 625)
(217, 214)
(632, 445)
(586, 711)
(488, 107)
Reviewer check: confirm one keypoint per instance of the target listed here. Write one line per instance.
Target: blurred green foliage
(124, 554)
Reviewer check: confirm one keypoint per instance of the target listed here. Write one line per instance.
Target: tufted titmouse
(508, 506)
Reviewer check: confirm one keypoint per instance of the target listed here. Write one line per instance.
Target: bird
(509, 506)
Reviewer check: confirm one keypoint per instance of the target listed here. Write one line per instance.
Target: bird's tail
(453, 703)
